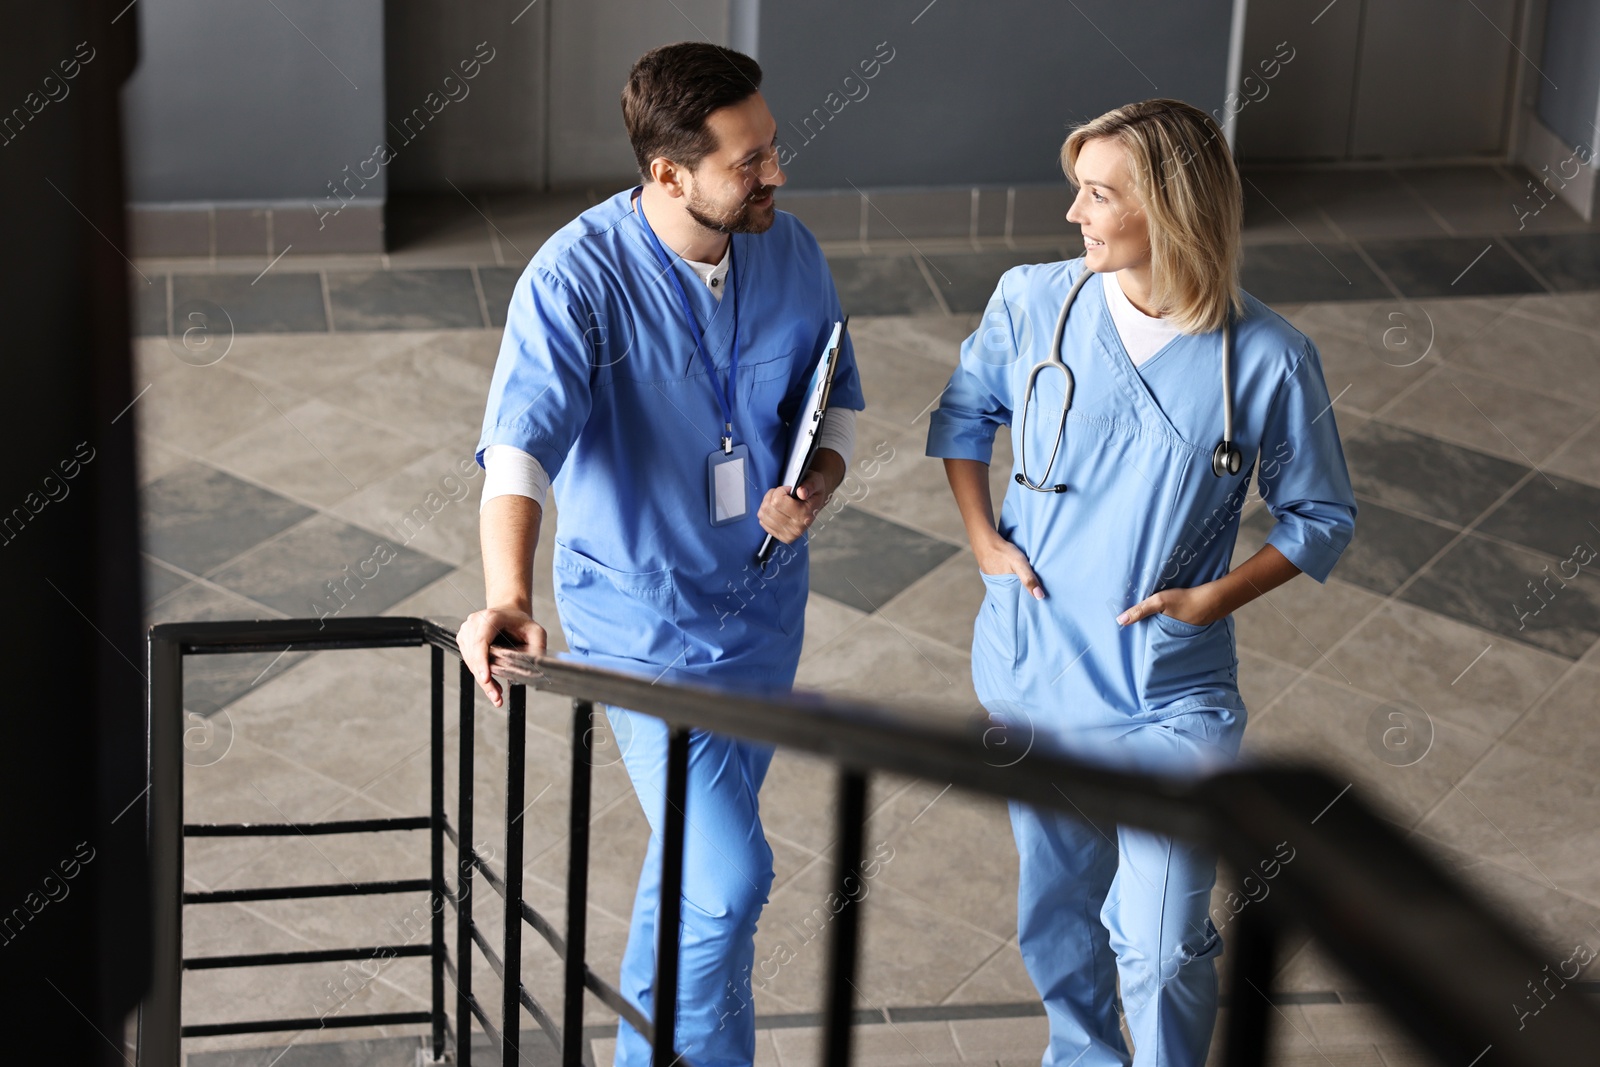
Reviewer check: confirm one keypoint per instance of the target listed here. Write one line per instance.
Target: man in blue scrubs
(654, 351)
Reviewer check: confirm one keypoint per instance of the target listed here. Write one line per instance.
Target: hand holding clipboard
(807, 425)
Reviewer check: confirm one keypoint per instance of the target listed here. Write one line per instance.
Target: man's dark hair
(670, 92)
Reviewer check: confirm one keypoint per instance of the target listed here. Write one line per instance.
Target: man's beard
(746, 218)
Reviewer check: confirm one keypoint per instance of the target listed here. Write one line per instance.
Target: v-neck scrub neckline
(1143, 336)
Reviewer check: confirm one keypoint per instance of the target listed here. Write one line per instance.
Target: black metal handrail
(1440, 962)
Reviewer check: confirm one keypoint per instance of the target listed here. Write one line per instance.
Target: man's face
(731, 190)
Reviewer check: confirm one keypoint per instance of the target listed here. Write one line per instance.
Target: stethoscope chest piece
(1226, 459)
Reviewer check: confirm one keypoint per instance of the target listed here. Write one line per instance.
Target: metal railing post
(436, 839)
(160, 1013)
(844, 938)
(464, 873)
(577, 883)
(663, 1053)
(511, 956)
(1254, 949)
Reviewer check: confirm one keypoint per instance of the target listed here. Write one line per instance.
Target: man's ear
(668, 175)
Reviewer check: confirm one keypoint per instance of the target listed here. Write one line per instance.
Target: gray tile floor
(272, 472)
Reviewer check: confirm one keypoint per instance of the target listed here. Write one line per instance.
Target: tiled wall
(254, 229)
(976, 213)
(250, 229)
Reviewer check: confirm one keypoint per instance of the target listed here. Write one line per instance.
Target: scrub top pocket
(630, 615)
(1183, 660)
(763, 395)
(1179, 628)
(995, 631)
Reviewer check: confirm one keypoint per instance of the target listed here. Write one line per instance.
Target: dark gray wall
(1304, 112)
(253, 101)
(1376, 79)
(976, 93)
(593, 45)
(1571, 61)
(486, 131)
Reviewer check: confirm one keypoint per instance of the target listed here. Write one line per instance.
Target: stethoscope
(1225, 458)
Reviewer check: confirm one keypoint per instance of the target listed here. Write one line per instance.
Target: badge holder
(728, 485)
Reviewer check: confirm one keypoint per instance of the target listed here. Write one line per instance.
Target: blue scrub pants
(727, 873)
(1095, 904)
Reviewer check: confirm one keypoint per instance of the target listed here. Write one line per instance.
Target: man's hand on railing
(512, 626)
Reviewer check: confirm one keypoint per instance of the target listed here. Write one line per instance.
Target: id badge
(728, 488)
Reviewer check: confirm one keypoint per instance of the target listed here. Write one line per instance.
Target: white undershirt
(510, 471)
(1142, 335)
(713, 274)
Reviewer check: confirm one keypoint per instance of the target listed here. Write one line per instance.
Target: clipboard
(803, 449)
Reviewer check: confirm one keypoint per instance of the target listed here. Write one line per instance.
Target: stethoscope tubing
(1054, 361)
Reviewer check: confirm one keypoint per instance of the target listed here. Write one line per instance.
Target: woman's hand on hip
(1000, 556)
(1199, 606)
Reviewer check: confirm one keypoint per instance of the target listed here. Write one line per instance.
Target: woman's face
(1116, 234)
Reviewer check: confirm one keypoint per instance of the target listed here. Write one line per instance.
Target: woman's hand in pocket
(1000, 556)
(1199, 606)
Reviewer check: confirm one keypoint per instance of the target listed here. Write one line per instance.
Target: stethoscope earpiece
(1057, 488)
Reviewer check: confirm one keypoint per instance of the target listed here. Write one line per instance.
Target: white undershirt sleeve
(838, 432)
(509, 471)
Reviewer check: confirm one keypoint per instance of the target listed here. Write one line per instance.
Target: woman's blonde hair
(1184, 178)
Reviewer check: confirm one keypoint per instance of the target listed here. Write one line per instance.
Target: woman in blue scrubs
(1107, 629)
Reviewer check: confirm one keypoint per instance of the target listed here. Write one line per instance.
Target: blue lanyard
(725, 393)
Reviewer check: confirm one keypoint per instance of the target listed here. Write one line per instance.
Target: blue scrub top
(598, 379)
(1143, 510)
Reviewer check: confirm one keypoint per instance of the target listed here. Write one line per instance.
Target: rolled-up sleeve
(539, 397)
(1302, 474)
(977, 400)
